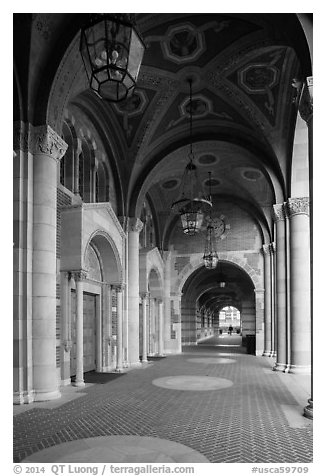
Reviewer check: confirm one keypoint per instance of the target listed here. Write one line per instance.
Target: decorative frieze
(47, 141)
(278, 212)
(297, 206)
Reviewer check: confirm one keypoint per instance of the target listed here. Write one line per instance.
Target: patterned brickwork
(243, 423)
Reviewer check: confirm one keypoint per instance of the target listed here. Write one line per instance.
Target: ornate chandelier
(210, 257)
(191, 203)
(112, 51)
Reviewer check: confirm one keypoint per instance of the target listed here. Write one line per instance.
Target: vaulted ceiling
(241, 66)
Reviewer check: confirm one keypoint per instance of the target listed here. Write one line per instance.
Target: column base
(135, 364)
(79, 383)
(299, 369)
(23, 397)
(266, 353)
(66, 382)
(308, 410)
(45, 396)
(279, 367)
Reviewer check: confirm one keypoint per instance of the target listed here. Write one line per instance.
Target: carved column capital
(79, 275)
(21, 136)
(278, 212)
(118, 287)
(135, 224)
(47, 141)
(297, 206)
(145, 295)
(266, 250)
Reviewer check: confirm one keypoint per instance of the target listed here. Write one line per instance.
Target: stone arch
(155, 281)
(198, 262)
(108, 255)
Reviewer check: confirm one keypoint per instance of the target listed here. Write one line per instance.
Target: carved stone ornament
(266, 250)
(135, 224)
(119, 287)
(47, 141)
(297, 206)
(144, 295)
(278, 212)
(79, 275)
(67, 345)
(21, 136)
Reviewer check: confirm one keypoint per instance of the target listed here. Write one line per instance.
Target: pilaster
(119, 288)
(79, 276)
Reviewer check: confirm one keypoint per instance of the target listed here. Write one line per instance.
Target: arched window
(67, 161)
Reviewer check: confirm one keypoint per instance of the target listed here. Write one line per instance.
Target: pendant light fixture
(112, 51)
(210, 257)
(191, 203)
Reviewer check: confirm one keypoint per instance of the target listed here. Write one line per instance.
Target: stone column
(176, 343)
(160, 328)
(119, 289)
(259, 301)
(22, 265)
(144, 297)
(48, 148)
(279, 218)
(79, 277)
(134, 227)
(273, 310)
(124, 224)
(151, 326)
(66, 343)
(306, 112)
(267, 301)
(167, 301)
(298, 212)
(106, 321)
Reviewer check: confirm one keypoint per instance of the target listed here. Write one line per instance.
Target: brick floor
(244, 423)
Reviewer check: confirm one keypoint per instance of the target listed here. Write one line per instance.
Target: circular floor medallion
(195, 383)
(212, 360)
(118, 449)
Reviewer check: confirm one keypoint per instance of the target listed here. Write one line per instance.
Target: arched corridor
(206, 292)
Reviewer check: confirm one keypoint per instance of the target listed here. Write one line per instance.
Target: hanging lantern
(191, 203)
(210, 255)
(112, 51)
